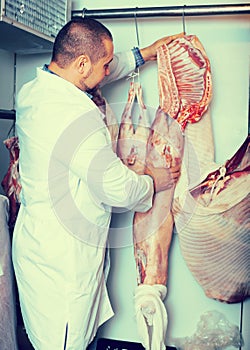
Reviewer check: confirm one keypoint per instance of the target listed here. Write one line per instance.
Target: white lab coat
(70, 180)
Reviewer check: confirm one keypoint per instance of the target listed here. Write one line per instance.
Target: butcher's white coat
(59, 257)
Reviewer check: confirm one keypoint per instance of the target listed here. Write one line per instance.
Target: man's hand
(149, 53)
(164, 178)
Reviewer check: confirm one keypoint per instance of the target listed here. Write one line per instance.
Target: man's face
(101, 68)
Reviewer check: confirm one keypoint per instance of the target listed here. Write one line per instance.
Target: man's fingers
(173, 37)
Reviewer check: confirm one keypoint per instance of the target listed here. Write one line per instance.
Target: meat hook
(83, 12)
(136, 28)
(138, 41)
(183, 19)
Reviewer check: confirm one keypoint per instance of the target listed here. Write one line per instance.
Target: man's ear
(83, 64)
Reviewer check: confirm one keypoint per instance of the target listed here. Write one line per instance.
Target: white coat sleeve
(108, 180)
(123, 63)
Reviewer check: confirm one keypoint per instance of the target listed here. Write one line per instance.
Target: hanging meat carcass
(205, 232)
(185, 92)
(11, 181)
(152, 232)
(153, 229)
(133, 134)
(212, 222)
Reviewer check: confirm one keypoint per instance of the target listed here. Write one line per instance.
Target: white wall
(7, 61)
(226, 41)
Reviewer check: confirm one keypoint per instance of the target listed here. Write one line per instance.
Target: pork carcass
(212, 221)
(152, 232)
(185, 90)
(133, 134)
(185, 85)
(11, 181)
(210, 205)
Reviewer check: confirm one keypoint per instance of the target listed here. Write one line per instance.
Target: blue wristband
(139, 61)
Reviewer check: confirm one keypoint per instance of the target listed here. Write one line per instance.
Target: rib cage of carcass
(214, 235)
(185, 85)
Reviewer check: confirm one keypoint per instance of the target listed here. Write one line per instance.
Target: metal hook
(136, 28)
(83, 12)
(12, 129)
(183, 19)
(138, 44)
(132, 75)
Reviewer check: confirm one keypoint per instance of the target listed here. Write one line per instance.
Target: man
(70, 180)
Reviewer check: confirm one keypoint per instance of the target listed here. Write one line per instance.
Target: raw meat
(133, 134)
(152, 232)
(153, 229)
(11, 181)
(185, 86)
(198, 159)
(212, 222)
(218, 180)
(185, 90)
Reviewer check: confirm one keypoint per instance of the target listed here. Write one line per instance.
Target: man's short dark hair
(80, 36)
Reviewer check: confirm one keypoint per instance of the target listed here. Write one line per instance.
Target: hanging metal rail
(7, 114)
(170, 11)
